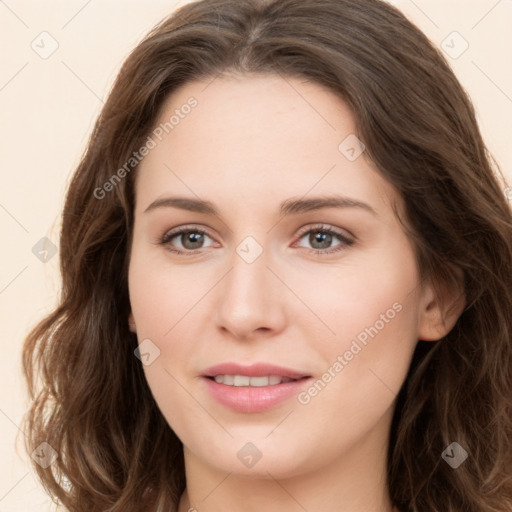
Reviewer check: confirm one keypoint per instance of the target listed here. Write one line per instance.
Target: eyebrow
(288, 207)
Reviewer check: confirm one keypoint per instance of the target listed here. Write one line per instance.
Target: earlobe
(441, 310)
(131, 323)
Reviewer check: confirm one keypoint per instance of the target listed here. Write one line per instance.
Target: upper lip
(253, 370)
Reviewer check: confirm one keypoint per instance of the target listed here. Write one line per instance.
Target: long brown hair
(93, 406)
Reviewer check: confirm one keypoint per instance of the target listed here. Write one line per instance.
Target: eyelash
(345, 241)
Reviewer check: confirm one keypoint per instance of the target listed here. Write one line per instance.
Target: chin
(255, 461)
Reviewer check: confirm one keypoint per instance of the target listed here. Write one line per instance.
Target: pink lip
(253, 399)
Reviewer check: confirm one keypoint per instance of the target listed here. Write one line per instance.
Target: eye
(322, 237)
(189, 240)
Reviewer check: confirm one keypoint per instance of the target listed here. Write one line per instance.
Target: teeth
(273, 380)
(241, 380)
(245, 380)
(259, 381)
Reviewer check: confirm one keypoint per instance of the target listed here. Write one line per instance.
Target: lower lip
(254, 399)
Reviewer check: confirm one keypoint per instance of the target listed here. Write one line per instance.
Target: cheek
(160, 314)
(168, 309)
(162, 294)
(372, 295)
(376, 326)
(372, 308)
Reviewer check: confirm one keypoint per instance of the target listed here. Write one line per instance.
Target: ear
(441, 307)
(131, 323)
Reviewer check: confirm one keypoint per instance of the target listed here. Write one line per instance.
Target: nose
(250, 299)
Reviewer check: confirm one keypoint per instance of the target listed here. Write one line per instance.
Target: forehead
(267, 136)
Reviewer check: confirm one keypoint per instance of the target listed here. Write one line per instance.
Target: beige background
(48, 106)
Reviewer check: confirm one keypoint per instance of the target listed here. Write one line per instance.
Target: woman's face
(292, 257)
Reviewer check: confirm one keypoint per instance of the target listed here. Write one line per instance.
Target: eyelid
(345, 240)
(326, 227)
(168, 235)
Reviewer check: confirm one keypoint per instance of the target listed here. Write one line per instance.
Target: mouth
(236, 374)
(255, 388)
(255, 382)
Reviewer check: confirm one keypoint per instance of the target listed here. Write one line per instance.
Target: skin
(252, 142)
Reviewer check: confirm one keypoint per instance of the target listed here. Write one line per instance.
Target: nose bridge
(249, 297)
(247, 283)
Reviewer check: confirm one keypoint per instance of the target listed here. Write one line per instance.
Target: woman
(287, 275)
